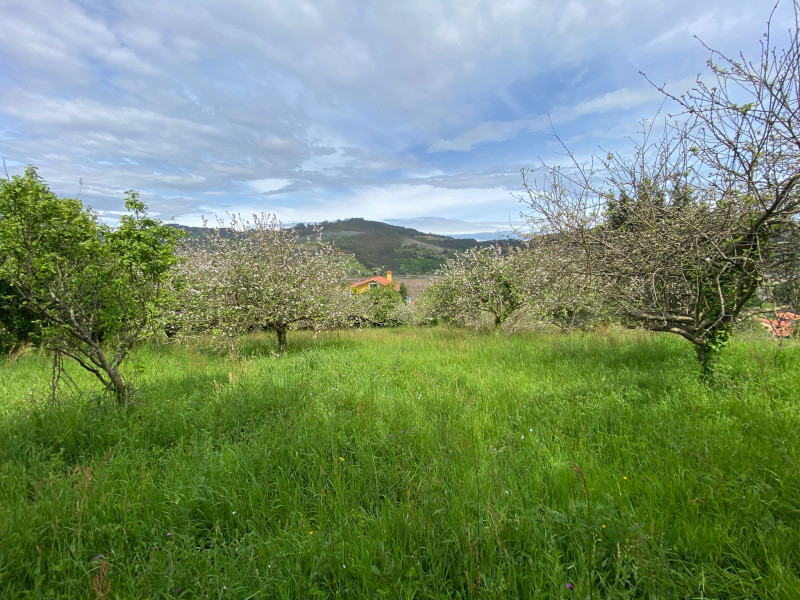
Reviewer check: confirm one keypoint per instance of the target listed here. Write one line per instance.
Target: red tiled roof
(788, 316)
(783, 326)
(377, 279)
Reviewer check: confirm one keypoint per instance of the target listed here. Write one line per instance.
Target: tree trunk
(118, 386)
(281, 331)
(705, 356)
(708, 352)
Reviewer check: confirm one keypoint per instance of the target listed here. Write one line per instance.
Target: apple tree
(256, 274)
(680, 233)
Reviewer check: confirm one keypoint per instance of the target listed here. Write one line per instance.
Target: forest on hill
(380, 246)
(402, 250)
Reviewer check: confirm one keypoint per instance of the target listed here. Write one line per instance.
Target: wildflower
(624, 477)
(234, 512)
(341, 458)
(570, 586)
(169, 534)
(604, 526)
(99, 557)
(310, 533)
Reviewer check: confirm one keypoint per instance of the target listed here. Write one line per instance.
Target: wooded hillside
(403, 250)
(379, 246)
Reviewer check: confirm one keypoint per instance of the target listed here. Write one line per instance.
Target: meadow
(408, 463)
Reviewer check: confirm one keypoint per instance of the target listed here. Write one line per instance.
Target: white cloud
(263, 186)
(617, 100)
(492, 131)
(445, 226)
(383, 202)
(333, 107)
(488, 131)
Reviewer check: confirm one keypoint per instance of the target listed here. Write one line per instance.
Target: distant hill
(402, 250)
(486, 236)
(456, 228)
(380, 246)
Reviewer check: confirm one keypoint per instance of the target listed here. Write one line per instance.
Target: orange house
(783, 325)
(374, 282)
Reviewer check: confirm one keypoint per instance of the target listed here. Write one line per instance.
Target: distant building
(783, 325)
(375, 281)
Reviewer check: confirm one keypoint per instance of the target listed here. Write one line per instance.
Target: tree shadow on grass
(640, 366)
(262, 344)
(164, 412)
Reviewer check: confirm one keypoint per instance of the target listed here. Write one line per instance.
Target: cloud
(264, 186)
(379, 202)
(444, 226)
(491, 131)
(332, 108)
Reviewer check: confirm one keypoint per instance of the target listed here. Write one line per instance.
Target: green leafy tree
(381, 306)
(95, 289)
(17, 323)
(403, 291)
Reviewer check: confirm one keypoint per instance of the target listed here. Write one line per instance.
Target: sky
(418, 112)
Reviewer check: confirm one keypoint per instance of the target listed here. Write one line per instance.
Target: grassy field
(408, 463)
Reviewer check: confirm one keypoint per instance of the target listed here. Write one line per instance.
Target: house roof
(783, 326)
(788, 316)
(380, 280)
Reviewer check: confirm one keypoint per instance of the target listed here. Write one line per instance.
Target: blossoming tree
(681, 234)
(256, 274)
(478, 280)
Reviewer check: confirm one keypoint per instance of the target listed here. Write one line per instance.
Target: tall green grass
(426, 463)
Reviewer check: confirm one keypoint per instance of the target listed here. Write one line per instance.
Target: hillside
(402, 250)
(379, 246)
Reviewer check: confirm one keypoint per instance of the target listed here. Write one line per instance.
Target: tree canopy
(478, 280)
(95, 288)
(681, 234)
(262, 277)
